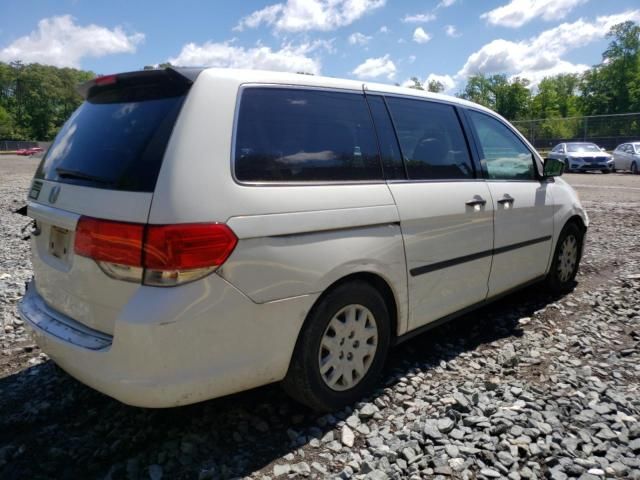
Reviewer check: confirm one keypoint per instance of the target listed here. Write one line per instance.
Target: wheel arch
(579, 221)
(377, 282)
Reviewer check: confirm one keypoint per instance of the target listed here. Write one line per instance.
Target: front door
(523, 216)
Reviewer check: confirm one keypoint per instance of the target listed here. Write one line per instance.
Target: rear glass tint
(117, 138)
(290, 135)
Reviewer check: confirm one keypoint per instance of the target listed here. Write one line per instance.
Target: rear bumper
(175, 346)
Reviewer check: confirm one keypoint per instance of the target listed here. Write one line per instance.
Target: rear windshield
(117, 138)
(582, 147)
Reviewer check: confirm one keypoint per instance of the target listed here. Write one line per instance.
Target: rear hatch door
(104, 164)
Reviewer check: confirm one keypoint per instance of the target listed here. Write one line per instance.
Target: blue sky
(382, 40)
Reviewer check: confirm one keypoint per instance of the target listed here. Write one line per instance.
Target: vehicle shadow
(53, 426)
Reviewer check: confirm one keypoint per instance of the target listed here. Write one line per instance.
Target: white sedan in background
(627, 157)
(582, 157)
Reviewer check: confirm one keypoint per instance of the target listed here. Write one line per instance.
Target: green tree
(38, 98)
(510, 98)
(478, 90)
(614, 85)
(435, 86)
(6, 124)
(417, 85)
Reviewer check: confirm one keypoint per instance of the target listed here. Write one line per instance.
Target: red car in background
(27, 152)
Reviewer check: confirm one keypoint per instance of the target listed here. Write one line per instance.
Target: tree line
(612, 87)
(35, 100)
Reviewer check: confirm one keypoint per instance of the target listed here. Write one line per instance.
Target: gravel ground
(533, 386)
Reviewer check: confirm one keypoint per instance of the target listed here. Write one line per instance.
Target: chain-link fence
(607, 131)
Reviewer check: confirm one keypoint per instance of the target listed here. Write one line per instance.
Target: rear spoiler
(171, 75)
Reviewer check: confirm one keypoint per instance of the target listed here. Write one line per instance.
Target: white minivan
(199, 232)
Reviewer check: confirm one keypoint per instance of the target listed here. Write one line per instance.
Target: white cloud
(447, 81)
(536, 76)
(542, 55)
(305, 15)
(61, 42)
(289, 58)
(452, 32)
(376, 67)
(419, 18)
(358, 38)
(384, 29)
(420, 36)
(518, 12)
(411, 59)
(446, 3)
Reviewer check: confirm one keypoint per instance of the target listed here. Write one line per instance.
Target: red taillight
(188, 246)
(105, 80)
(170, 254)
(108, 241)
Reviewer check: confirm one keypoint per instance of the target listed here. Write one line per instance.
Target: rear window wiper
(67, 173)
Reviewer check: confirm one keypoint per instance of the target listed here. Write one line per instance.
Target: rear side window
(506, 157)
(117, 138)
(290, 135)
(431, 138)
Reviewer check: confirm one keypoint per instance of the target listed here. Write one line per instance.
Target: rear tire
(341, 349)
(566, 259)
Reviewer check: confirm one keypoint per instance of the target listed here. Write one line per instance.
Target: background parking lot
(532, 386)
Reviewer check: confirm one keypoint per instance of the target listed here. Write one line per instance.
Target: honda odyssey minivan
(200, 232)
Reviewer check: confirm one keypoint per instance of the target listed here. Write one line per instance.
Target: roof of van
(265, 76)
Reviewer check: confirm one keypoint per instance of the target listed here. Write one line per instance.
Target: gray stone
(347, 436)
(377, 475)
(301, 468)
(368, 410)
(445, 425)
(279, 470)
(490, 472)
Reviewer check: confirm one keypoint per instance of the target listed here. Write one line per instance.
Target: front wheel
(567, 166)
(634, 168)
(341, 348)
(566, 259)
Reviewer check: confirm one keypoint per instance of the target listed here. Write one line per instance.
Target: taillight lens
(160, 255)
(175, 254)
(183, 247)
(104, 240)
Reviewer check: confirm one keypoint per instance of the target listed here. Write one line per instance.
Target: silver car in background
(627, 157)
(582, 157)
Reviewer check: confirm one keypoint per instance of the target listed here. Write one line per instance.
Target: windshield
(115, 140)
(582, 147)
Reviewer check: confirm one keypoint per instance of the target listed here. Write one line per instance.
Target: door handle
(476, 201)
(507, 199)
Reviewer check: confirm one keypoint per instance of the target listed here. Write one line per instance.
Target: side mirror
(552, 168)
